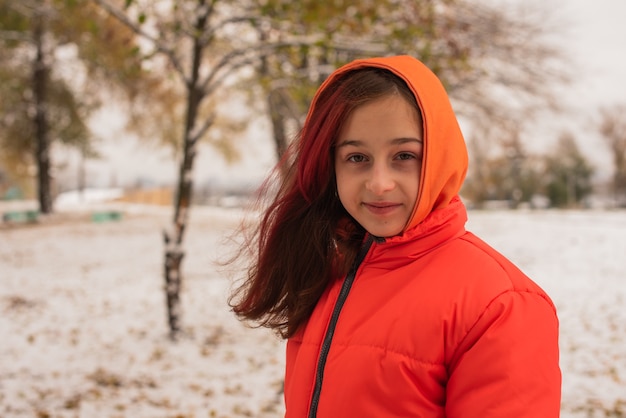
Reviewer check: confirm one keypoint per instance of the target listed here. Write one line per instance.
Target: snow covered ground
(83, 330)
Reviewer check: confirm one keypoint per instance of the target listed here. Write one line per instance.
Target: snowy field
(83, 330)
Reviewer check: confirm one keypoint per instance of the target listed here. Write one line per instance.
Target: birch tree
(41, 103)
(201, 46)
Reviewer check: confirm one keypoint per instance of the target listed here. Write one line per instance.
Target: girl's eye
(405, 156)
(356, 158)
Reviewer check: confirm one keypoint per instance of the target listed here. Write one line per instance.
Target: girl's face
(378, 162)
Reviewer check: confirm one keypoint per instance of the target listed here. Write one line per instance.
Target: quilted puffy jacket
(433, 322)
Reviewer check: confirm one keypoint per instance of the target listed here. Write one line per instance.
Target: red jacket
(434, 322)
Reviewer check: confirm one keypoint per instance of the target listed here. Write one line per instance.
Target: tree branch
(156, 42)
(199, 133)
(11, 35)
(208, 36)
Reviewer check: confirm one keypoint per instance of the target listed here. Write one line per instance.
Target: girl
(390, 307)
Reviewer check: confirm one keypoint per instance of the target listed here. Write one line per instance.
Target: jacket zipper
(343, 295)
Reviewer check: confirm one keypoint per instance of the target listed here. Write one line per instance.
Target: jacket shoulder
(477, 280)
(485, 264)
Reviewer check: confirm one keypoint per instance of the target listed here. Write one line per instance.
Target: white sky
(593, 34)
(597, 41)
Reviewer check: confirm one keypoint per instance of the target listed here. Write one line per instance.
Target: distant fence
(159, 196)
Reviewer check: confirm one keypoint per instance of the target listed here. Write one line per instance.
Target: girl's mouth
(381, 208)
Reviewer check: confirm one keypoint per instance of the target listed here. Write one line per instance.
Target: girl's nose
(380, 179)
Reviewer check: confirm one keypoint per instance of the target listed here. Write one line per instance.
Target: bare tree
(498, 64)
(204, 45)
(613, 129)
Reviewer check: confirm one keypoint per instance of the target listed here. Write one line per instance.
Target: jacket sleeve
(508, 363)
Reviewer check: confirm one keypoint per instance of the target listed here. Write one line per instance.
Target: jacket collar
(439, 227)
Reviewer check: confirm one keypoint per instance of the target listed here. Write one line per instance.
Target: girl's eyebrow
(395, 141)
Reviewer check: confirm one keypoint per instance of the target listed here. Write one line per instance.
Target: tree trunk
(42, 140)
(278, 122)
(174, 251)
(173, 282)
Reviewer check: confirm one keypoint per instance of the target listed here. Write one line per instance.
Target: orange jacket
(434, 322)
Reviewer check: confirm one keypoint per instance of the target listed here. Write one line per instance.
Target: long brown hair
(305, 238)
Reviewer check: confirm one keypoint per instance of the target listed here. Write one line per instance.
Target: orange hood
(445, 158)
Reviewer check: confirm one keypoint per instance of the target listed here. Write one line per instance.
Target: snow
(83, 325)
